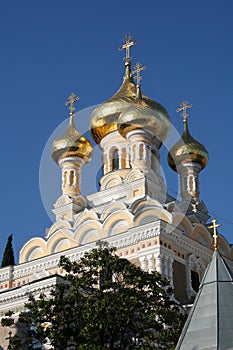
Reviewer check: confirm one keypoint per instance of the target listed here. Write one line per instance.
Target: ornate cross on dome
(215, 234)
(71, 100)
(128, 39)
(137, 70)
(184, 107)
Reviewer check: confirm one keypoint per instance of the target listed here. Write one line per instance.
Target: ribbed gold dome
(145, 114)
(186, 150)
(71, 144)
(104, 118)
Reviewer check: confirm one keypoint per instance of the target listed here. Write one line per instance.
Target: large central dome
(146, 112)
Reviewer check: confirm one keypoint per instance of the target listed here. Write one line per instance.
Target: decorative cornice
(131, 237)
(12, 297)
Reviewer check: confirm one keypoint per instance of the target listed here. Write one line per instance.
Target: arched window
(190, 183)
(115, 160)
(72, 177)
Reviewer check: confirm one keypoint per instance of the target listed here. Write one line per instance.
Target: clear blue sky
(51, 48)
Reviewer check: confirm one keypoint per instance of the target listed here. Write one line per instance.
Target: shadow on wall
(9, 332)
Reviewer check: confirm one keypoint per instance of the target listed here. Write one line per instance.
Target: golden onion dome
(187, 150)
(145, 114)
(71, 143)
(105, 116)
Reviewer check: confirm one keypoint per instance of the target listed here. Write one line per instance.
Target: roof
(210, 322)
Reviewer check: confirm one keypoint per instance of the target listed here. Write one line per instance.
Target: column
(120, 158)
(165, 266)
(151, 263)
(159, 264)
(170, 270)
(143, 263)
(127, 157)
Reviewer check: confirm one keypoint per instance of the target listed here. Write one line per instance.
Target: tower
(71, 151)
(188, 157)
(130, 128)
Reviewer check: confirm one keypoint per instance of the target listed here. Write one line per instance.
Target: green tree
(105, 302)
(8, 256)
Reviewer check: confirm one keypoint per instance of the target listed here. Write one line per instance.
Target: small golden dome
(186, 150)
(71, 144)
(105, 116)
(145, 114)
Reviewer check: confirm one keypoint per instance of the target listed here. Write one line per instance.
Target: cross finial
(184, 106)
(137, 70)
(71, 100)
(10, 336)
(128, 39)
(215, 234)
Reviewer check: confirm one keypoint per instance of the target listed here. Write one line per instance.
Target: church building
(132, 210)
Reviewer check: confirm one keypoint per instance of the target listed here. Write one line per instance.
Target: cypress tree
(8, 256)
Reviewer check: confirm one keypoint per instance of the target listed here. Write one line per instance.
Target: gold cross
(128, 39)
(184, 107)
(137, 70)
(215, 234)
(71, 100)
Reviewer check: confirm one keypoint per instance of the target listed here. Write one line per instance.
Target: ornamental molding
(129, 238)
(118, 193)
(74, 160)
(11, 297)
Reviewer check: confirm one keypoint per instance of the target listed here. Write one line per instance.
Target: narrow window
(195, 280)
(65, 178)
(72, 177)
(115, 160)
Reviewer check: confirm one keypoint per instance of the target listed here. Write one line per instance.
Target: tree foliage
(8, 256)
(105, 302)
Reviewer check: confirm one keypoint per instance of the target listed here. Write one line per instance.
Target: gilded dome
(145, 114)
(105, 116)
(71, 144)
(186, 150)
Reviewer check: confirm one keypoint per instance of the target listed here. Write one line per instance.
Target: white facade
(132, 211)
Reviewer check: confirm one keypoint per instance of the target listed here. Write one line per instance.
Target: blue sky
(51, 48)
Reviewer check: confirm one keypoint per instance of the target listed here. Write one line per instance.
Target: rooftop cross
(128, 39)
(184, 107)
(215, 234)
(137, 70)
(71, 100)
(10, 336)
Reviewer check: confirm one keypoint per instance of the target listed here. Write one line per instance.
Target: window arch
(115, 159)
(72, 177)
